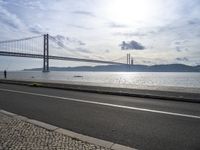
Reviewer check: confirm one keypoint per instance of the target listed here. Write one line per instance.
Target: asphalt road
(145, 124)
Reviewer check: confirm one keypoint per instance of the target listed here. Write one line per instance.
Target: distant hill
(126, 68)
(197, 67)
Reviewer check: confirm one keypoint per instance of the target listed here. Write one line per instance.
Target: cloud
(57, 42)
(72, 46)
(81, 43)
(181, 28)
(68, 43)
(36, 4)
(75, 41)
(37, 29)
(10, 19)
(80, 27)
(131, 45)
(131, 34)
(85, 13)
(107, 51)
(61, 44)
(177, 43)
(146, 62)
(182, 59)
(60, 37)
(178, 49)
(115, 25)
(194, 21)
(83, 50)
(68, 40)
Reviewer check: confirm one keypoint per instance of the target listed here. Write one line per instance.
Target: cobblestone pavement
(20, 135)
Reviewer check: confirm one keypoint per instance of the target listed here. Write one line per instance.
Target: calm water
(122, 79)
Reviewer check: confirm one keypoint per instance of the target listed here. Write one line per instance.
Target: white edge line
(104, 104)
(81, 137)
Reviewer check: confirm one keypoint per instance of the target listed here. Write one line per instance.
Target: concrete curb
(42, 124)
(88, 139)
(155, 94)
(85, 138)
(7, 113)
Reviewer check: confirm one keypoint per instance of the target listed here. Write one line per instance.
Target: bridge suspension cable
(120, 58)
(23, 39)
(33, 47)
(61, 45)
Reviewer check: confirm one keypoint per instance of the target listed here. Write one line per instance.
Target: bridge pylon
(46, 53)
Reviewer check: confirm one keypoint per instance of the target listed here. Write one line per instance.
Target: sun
(128, 11)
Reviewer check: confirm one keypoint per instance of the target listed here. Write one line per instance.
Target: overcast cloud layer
(153, 31)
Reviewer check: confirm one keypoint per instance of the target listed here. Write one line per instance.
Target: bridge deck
(14, 54)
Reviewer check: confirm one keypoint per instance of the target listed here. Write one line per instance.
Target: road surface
(144, 124)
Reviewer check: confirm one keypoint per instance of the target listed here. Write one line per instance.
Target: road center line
(104, 104)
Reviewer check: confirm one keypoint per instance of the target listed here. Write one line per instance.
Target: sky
(152, 31)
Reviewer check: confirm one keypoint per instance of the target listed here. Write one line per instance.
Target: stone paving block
(16, 134)
(85, 138)
(97, 141)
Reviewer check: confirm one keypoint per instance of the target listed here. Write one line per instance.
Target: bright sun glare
(127, 11)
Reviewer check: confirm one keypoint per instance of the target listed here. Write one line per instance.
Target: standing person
(5, 74)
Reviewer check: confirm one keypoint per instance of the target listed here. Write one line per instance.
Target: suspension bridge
(38, 47)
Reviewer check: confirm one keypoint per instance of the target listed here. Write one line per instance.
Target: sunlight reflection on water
(121, 79)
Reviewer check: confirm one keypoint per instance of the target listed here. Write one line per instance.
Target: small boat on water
(78, 76)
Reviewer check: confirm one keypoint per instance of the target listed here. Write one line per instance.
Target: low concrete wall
(143, 93)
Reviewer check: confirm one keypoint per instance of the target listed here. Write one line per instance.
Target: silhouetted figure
(5, 74)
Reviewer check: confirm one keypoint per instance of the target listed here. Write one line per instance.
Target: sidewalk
(20, 133)
(17, 134)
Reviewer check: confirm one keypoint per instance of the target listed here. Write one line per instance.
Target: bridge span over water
(21, 48)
